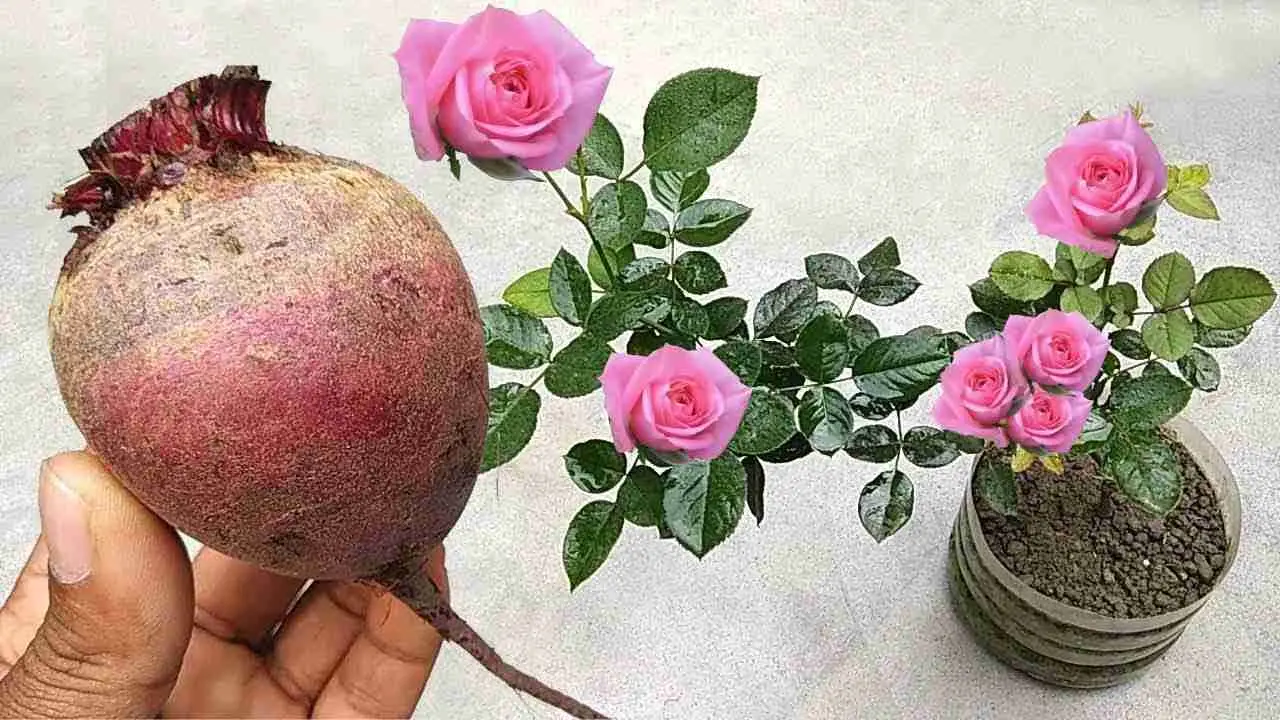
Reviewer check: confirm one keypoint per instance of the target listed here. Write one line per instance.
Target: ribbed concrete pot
(1059, 643)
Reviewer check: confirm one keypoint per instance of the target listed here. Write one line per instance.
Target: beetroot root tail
(418, 592)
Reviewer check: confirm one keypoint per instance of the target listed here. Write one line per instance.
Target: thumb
(120, 602)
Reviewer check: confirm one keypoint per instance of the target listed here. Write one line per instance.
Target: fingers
(237, 607)
(24, 611)
(120, 599)
(385, 671)
(237, 602)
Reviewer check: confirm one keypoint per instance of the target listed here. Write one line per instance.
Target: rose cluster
(1025, 385)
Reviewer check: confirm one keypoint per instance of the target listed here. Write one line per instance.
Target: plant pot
(1059, 643)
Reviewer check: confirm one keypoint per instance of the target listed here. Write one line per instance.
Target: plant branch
(852, 302)
(581, 217)
(632, 171)
(815, 385)
(898, 457)
(1158, 312)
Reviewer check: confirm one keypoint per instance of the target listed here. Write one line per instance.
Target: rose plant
(699, 396)
(1103, 189)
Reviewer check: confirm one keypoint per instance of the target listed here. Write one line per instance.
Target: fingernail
(65, 521)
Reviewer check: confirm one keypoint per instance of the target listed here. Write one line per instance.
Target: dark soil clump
(1077, 539)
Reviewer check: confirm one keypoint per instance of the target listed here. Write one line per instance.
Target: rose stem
(417, 591)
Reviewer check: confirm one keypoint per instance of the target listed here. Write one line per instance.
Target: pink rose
(500, 85)
(675, 400)
(1058, 349)
(1050, 422)
(1096, 183)
(981, 387)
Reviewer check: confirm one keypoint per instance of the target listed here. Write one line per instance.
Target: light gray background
(926, 120)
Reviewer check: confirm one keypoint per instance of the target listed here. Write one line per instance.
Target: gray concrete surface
(926, 120)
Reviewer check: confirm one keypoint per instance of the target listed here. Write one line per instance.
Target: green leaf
(1022, 275)
(1200, 369)
(1193, 176)
(617, 259)
(698, 118)
(991, 300)
(507, 169)
(531, 294)
(883, 255)
(886, 286)
(885, 504)
(899, 368)
(796, 447)
(688, 317)
(678, 190)
(702, 502)
(1146, 471)
(755, 487)
(862, 332)
(1085, 267)
(643, 274)
(1156, 368)
(981, 326)
(831, 272)
(569, 288)
(709, 222)
(575, 370)
(768, 423)
(644, 342)
(615, 313)
(725, 315)
(996, 484)
(1169, 335)
(602, 153)
(698, 273)
(1168, 280)
(514, 339)
(873, 443)
(929, 447)
(870, 408)
(1214, 338)
(617, 213)
(591, 536)
(513, 415)
(640, 496)
(1082, 299)
(822, 348)
(966, 444)
(655, 230)
(1129, 343)
(595, 466)
(1143, 228)
(785, 308)
(1096, 432)
(743, 358)
(826, 419)
(1227, 298)
(776, 353)
(1147, 402)
(1192, 201)
(1121, 296)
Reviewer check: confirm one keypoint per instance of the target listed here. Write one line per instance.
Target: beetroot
(278, 352)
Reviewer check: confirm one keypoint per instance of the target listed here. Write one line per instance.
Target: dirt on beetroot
(1076, 538)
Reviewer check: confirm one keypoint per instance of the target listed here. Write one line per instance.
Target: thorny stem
(582, 218)
(412, 586)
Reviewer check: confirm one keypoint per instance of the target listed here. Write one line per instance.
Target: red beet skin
(283, 360)
(278, 352)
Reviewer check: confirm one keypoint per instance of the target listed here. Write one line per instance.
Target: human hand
(110, 619)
